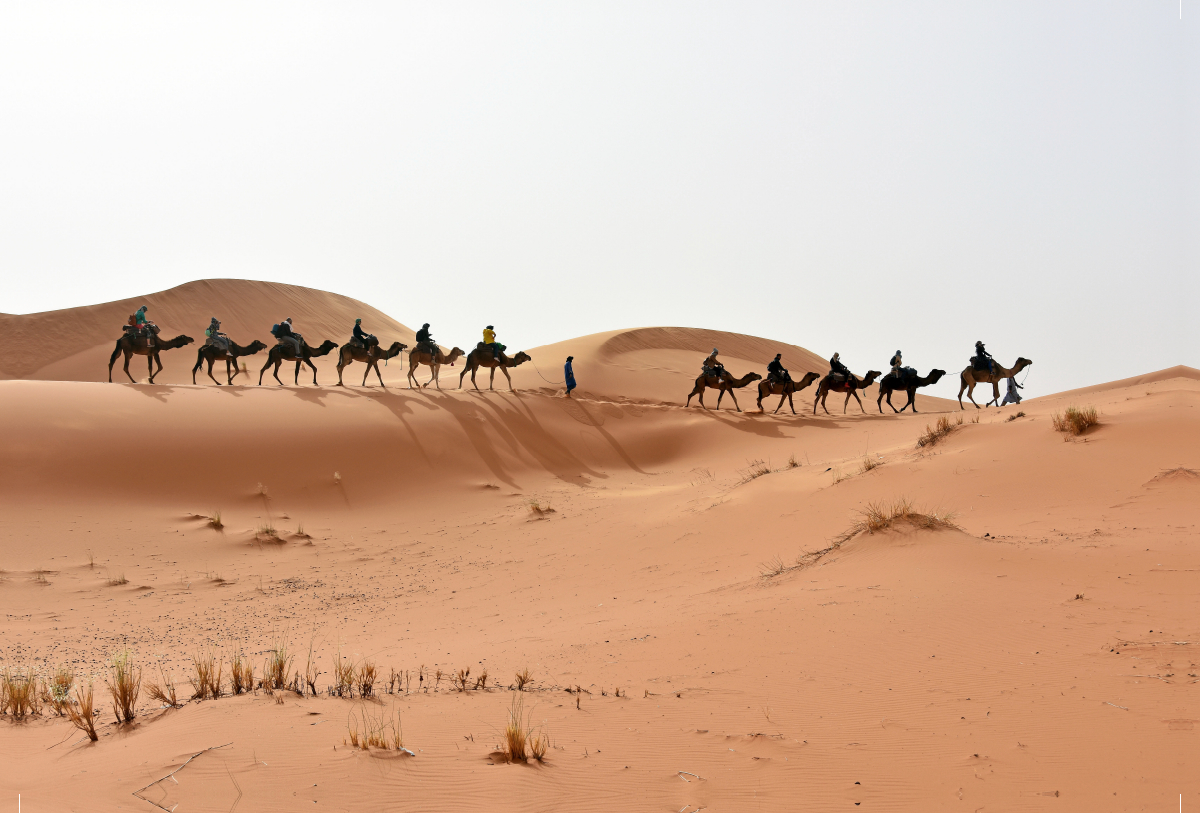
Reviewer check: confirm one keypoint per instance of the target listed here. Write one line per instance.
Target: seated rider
(897, 363)
(983, 359)
(836, 367)
(711, 366)
(489, 340)
(777, 372)
(144, 325)
(425, 342)
(289, 339)
(361, 337)
(215, 337)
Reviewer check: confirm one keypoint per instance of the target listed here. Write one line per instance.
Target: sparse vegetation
(241, 673)
(754, 469)
(19, 695)
(535, 507)
(117, 581)
(279, 663)
(879, 516)
(164, 689)
(343, 676)
(57, 689)
(1075, 421)
(523, 678)
(516, 736)
(773, 567)
(310, 667)
(869, 464)
(481, 681)
(206, 675)
(82, 713)
(366, 730)
(39, 576)
(943, 428)
(214, 521)
(124, 685)
(366, 678)
(793, 463)
(461, 679)
(1012, 418)
(538, 743)
(267, 531)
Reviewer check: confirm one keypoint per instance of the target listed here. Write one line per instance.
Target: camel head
(178, 341)
(255, 347)
(395, 349)
(324, 349)
(455, 354)
(1021, 364)
(936, 375)
(808, 379)
(870, 379)
(521, 358)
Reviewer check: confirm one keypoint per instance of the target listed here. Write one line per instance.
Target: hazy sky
(853, 176)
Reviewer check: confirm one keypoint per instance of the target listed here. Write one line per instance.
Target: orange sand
(908, 670)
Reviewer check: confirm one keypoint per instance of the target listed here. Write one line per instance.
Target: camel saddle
(981, 363)
(839, 378)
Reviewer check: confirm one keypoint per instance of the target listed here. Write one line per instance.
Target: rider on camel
(897, 363)
(983, 359)
(288, 338)
(489, 341)
(361, 337)
(776, 372)
(712, 367)
(216, 338)
(144, 326)
(425, 340)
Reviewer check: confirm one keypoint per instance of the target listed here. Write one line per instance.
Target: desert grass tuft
(241, 673)
(214, 521)
(869, 464)
(538, 744)
(1012, 418)
(206, 675)
(942, 429)
(19, 696)
(344, 676)
(366, 678)
(481, 681)
(310, 667)
(516, 736)
(279, 662)
(58, 689)
(117, 581)
(461, 679)
(267, 532)
(163, 690)
(523, 678)
(754, 469)
(535, 507)
(82, 713)
(367, 730)
(793, 463)
(124, 685)
(879, 516)
(1075, 421)
(773, 567)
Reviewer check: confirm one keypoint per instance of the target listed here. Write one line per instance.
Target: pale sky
(851, 176)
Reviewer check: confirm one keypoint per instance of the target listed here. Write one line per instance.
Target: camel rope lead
(539, 372)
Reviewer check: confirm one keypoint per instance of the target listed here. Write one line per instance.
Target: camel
(279, 354)
(351, 353)
(969, 377)
(889, 384)
(723, 383)
(211, 354)
(481, 356)
(783, 390)
(850, 387)
(140, 346)
(417, 357)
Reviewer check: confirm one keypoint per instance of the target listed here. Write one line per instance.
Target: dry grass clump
(869, 464)
(481, 681)
(879, 516)
(117, 581)
(1012, 418)
(516, 735)
(755, 469)
(82, 713)
(940, 430)
(267, 532)
(206, 676)
(19, 695)
(536, 508)
(279, 663)
(774, 566)
(538, 744)
(57, 689)
(310, 668)
(344, 677)
(214, 521)
(163, 690)
(124, 684)
(793, 463)
(523, 678)
(461, 679)
(241, 673)
(1075, 421)
(366, 730)
(366, 678)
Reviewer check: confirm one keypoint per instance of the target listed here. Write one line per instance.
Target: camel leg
(113, 359)
(150, 367)
(275, 372)
(817, 400)
(491, 378)
(199, 361)
(971, 394)
(720, 395)
(433, 379)
(912, 400)
(270, 361)
(379, 375)
(782, 398)
(995, 394)
(473, 384)
(314, 369)
(210, 375)
(691, 394)
(733, 395)
(341, 366)
(128, 356)
(962, 386)
(854, 392)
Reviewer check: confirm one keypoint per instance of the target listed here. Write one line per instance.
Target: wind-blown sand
(1043, 657)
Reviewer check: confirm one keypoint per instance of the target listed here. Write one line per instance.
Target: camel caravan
(141, 338)
(983, 369)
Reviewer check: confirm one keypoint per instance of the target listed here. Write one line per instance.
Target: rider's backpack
(275, 330)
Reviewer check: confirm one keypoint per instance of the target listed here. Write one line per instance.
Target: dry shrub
(773, 567)
(344, 677)
(310, 668)
(538, 744)
(1012, 418)
(206, 676)
(366, 678)
(118, 581)
(369, 730)
(940, 430)
(1075, 421)
(164, 689)
(523, 678)
(879, 516)
(58, 689)
(267, 533)
(869, 464)
(241, 674)
(535, 507)
(279, 663)
(481, 681)
(82, 713)
(461, 679)
(516, 735)
(754, 469)
(793, 463)
(214, 521)
(124, 684)
(19, 694)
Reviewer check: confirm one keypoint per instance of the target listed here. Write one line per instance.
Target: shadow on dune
(159, 392)
(401, 406)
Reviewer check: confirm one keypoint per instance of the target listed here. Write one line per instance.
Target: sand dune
(1040, 656)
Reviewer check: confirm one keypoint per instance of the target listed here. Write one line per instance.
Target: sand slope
(1042, 657)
